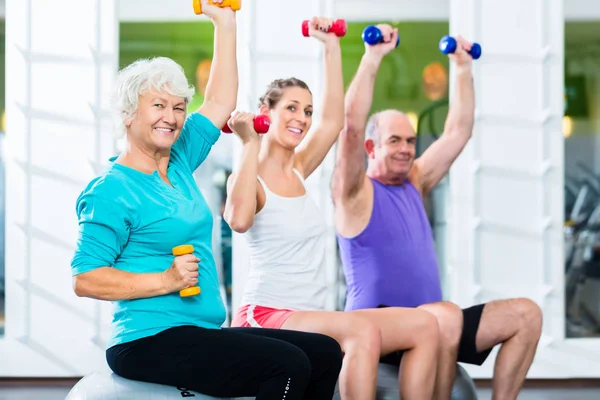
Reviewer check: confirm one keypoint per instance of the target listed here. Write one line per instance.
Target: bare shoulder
(261, 197)
(299, 165)
(352, 214)
(415, 177)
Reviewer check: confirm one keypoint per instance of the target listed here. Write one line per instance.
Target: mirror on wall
(414, 79)
(581, 131)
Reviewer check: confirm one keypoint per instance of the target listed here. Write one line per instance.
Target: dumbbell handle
(339, 27)
(234, 4)
(448, 46)
(261, 124)
(372, 35)
(179, 251)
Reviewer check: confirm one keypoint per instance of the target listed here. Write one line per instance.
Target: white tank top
(287, 253)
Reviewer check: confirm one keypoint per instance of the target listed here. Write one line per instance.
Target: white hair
(161, 74)
(372, 128)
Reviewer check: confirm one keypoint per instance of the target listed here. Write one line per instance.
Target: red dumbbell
(261, 124)
(339, 27)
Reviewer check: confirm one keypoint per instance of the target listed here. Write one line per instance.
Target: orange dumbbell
(234, 4)
(179, 251)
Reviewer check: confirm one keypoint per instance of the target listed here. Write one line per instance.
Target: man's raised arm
(436, 161)
(349, 173)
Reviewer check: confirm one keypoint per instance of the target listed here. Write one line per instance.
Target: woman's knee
(329, 351)
(361, 334)
(449, 319)
(294, 364)
(427, 327)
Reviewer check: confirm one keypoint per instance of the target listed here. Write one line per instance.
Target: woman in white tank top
(268, 202)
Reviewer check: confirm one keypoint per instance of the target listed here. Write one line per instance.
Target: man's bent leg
(450, 322)
(516, 324)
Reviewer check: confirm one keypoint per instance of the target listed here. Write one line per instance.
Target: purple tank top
(392, 262)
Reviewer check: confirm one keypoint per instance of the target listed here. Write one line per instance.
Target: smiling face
(392, 151)
(158, 121)
(291, 116)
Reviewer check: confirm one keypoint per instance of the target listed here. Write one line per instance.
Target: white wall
(58, 136)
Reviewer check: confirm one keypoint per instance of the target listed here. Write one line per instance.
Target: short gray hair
(372, 129)
(159, 73)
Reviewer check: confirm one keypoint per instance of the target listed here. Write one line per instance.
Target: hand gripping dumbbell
(179, 251)
(234, 4)
(448, 46)
(372, 35)
(261, 124)
(339, 27)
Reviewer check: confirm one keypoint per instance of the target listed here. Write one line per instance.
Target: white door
(61, 58)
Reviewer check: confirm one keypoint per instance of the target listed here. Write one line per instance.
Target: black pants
(234, 362)
(467, 348)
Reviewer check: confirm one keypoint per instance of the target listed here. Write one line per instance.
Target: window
(581, 130)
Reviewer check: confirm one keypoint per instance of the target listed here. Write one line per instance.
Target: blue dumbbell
(372, 35)
(448, 46)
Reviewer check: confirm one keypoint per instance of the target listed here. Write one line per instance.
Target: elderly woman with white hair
(146, 204)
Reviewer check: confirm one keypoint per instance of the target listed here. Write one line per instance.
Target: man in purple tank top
(384, 236)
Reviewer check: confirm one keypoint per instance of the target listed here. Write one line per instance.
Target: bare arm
(325, 132)
(220, 97)
(349, 173)
(436, 161)
(107, 283)
(240, 206)
(111, 284)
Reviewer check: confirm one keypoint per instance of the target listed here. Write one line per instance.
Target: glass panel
(581, 128)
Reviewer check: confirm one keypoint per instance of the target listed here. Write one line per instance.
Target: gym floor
(59, 393)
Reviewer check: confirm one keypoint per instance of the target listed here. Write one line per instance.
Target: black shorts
(467, 349)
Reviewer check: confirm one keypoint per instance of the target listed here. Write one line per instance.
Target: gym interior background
(518, 214)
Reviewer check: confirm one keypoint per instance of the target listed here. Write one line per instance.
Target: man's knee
(450, 322)
(530, 316)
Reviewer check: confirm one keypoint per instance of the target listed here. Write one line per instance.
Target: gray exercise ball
(106, 385)
(387, 385)
(464, 387)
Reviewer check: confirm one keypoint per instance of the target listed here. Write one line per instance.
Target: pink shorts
(260, 317)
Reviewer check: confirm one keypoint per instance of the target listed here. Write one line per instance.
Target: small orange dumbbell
(179, 251)
(234, 4)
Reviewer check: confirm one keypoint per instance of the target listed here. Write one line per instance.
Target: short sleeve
(197, 137)
(103, 232)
